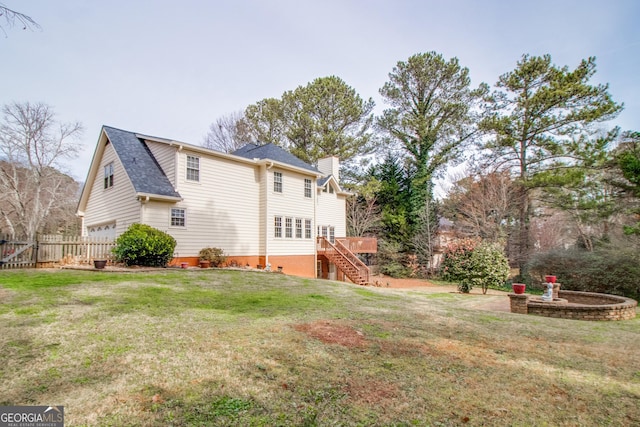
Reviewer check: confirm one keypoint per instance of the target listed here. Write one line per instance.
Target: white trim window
(178, 217)
(277, 182)
(307, 228)
(298, 228)
(307, 188)
(288, 228)
(108, 176)
(277, 224)
(193, 168)
(332, 234)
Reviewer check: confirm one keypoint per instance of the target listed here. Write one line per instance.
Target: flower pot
(99, 263)
(205, 263)
(518, 288)
(184, 264)
(550, 279)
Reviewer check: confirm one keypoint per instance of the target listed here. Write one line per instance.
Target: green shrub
(144, 245)
(215, 256)
(605, 270)
(471, 263)
(390, 259)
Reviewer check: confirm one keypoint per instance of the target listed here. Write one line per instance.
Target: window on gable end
(108, 175)
(277, 182)
(193, 168)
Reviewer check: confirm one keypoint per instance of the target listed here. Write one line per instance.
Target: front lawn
(218, 347)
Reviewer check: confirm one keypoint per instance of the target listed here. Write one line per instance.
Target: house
(261, 205)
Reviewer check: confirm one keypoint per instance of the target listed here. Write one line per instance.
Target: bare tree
(11, 18)
(363, 211)
(228, 133)
(32, 143)
(482, 205)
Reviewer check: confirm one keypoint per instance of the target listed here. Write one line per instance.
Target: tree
(324, 118)
(363, 211)
(32, 143)
(432, 119)
(228, 133)
(11, 18)
(537, 117)
(626, 166)
(481, 206)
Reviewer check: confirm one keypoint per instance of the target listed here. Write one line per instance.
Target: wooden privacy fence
(51, 250)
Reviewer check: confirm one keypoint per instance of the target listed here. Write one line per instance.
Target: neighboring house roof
(143, 170)
(272, 152)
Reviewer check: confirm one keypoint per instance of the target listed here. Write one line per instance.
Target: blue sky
(170, 68)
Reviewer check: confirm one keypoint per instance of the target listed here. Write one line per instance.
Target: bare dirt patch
(371, 392)
(333, 333)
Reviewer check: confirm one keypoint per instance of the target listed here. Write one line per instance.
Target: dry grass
(192, 348)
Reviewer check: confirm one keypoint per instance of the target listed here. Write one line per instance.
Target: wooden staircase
(345, 260)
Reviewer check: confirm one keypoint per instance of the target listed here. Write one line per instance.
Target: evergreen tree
(540, 118)
(431, 118)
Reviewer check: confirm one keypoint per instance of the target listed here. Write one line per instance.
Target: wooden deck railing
(360, 245)
(339, 254)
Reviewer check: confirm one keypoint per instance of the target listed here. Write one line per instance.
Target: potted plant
(99, 264)
(215, 257)
(518, 288)
(550, 279)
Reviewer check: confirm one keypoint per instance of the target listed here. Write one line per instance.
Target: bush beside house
(145, 246)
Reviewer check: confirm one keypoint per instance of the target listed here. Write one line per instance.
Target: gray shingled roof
(272, 152)
(143, 170)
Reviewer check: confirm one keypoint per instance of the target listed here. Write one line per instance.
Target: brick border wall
(576, 305)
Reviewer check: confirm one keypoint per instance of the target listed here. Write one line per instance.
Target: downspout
(314, 229)
(266, 214)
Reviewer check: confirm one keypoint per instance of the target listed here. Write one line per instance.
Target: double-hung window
(277, 224)
(178, 217)
(108, 175)
(288, 227)
(307, 188)
(277, 182)
(307, 228)
(298, 228)
(193, 168)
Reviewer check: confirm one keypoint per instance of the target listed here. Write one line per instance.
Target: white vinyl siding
(331, 211)
(118, 205)
(223, 211)
(290, 204)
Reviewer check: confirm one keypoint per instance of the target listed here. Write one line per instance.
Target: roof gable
(141, 167)
(272, 152)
